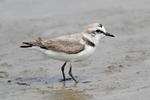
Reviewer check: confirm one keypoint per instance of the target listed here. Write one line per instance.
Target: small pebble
(46, 82)
(3, 74)
(137, 72)
(20, 83)
(121, 66)
(86, 82)
(9, 81)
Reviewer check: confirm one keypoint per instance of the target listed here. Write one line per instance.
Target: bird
(72, 47)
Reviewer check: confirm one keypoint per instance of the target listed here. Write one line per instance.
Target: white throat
(93, 38)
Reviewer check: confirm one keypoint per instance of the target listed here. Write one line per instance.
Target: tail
(38, 42)
(26, 45)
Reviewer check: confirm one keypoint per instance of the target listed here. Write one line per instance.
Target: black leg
(62, 69)
(70, 73)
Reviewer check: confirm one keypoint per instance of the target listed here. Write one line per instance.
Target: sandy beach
(119, 69)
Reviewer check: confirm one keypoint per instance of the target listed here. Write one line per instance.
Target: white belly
(86, 53)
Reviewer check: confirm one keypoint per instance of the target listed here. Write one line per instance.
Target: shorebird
(69, 48)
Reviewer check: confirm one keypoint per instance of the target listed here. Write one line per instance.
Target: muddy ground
(119, 69)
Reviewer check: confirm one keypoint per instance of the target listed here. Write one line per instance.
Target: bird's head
(97, 30)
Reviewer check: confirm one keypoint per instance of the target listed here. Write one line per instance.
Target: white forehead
(100, 28)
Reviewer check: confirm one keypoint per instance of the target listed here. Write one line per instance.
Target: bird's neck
(93, 39)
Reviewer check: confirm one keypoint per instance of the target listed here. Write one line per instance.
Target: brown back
(69, 44)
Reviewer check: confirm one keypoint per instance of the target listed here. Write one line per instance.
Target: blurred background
(119, 69)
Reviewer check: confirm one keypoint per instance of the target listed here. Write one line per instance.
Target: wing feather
(68, 46)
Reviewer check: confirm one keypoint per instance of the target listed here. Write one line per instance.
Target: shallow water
(120, 68)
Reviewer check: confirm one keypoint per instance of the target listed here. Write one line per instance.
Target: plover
(69, 48)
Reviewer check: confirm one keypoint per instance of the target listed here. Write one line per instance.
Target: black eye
(98, 31)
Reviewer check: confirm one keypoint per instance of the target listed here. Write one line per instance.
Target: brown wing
(68, 46)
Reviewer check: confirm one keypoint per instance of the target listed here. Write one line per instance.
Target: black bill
(108, 34)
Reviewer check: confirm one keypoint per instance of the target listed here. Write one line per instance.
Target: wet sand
(119, 69)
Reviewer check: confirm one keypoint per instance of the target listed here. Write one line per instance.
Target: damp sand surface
(119, 69)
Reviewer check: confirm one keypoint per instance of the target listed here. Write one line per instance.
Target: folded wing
(65, 46)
